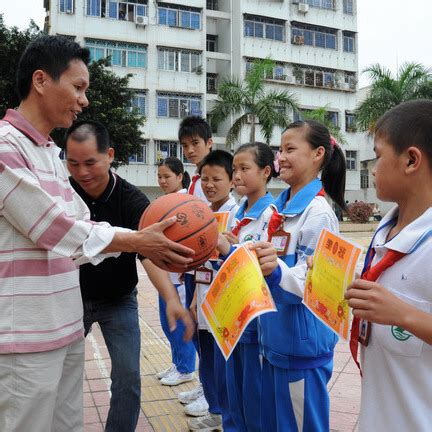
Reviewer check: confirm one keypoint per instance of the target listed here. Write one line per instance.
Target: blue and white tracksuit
(212, 361)
(243, 368)
(297, 348)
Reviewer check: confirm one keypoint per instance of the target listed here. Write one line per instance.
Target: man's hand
(372, 302)
(267, 256)
(175, 311)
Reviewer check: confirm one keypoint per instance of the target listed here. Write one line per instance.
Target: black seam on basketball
(197, 231)
(178, 205)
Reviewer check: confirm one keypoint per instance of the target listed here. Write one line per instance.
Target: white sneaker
(197, 408)
(207, 423)
(187, 397)
(175, 378)
(165, 372)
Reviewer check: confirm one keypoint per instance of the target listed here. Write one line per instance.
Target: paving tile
(91, 415)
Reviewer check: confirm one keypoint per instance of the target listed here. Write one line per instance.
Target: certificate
(237, 295)
(222, 222)
(335, 261)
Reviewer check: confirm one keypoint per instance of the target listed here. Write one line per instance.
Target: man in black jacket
(109, 289)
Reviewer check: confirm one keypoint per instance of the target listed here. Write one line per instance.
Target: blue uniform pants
(212, 377)
(295, 400)
(243, 374)
(183, 353)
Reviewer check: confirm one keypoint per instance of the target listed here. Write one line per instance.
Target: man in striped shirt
(45, 234)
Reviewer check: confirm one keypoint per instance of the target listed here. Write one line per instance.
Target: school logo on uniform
(249, 237)
(400, 334)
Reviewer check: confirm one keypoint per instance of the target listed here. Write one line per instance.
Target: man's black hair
(194, 126)
(51, 54)
(85, 129)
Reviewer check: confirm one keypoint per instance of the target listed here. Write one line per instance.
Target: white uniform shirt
(397, 366)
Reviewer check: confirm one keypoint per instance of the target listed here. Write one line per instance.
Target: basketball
(196, 226)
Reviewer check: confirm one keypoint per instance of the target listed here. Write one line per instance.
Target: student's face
(248, 177)
(298, 161)
(195, 148)
(388, 171)
(64, 99)
(168, 180)
(215, 183)
(88, 167)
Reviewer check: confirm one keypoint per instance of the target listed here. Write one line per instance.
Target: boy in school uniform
(216, 175)
(195, 137)
(392, 302)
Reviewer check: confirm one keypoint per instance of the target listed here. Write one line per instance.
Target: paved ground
(160, 410)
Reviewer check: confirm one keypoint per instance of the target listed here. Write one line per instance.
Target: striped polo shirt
(45, 233)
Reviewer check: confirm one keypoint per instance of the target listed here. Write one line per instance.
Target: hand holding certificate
(333, 270)
(237, 295)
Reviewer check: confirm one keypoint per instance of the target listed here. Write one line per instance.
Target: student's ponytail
(334, 165)
(186, 180)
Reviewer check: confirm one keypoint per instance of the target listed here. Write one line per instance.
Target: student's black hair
(176, 166)
(408, 124)
(51, 54)
(85, 129)
(334, 166)
(263, 156)
(194, 126)
(219, 158)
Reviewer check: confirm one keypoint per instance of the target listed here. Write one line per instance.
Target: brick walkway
(160, 410)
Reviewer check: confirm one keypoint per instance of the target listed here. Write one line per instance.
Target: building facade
(179, 50)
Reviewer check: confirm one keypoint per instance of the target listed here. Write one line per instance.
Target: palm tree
(251, 103)
(413, 81)
(322, 115)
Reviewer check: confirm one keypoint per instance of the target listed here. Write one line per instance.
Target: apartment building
(179, 50)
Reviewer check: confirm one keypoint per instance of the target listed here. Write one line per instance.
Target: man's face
(195, 148)
(64, 99)
(88, 167)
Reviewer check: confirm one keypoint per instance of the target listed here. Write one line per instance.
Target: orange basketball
(196, 226)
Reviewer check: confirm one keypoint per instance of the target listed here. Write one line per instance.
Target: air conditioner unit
(250, 119)
(290, 79)
(141, 20)
(298, 40)
(303, 8)
(345, 86)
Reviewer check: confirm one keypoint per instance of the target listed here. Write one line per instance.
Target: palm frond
(235, 129)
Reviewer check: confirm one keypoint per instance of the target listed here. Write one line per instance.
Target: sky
(390, 32)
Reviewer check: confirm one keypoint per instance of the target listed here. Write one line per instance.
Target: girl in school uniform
(297, 348)
(172, 178)
(253, 167)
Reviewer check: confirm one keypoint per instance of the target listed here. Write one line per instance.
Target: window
(138, 102)
(350, 122)
(351, 80)
(141, 155)
(348, 42)
(364, 179)
(333, 116)
(262, 27)
(170, 59)
(166, 149)
(66, 6)
(212, 4)
(211, 83)
(211, 43)
(351, 160)
(323, 4)
(177, 105)
(314, 77)
(126, 10)
(122, 54)
(348, 7)
(179, 16)
(322, 37)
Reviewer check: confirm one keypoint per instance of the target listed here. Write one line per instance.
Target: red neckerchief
(277, 219)
(239, 225)
(371, 274)
(193, 184)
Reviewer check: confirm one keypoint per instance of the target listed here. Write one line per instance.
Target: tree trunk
(252, 130)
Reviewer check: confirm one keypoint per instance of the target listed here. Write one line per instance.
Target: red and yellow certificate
(222, 221)
(237, 295)
(334, 265)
